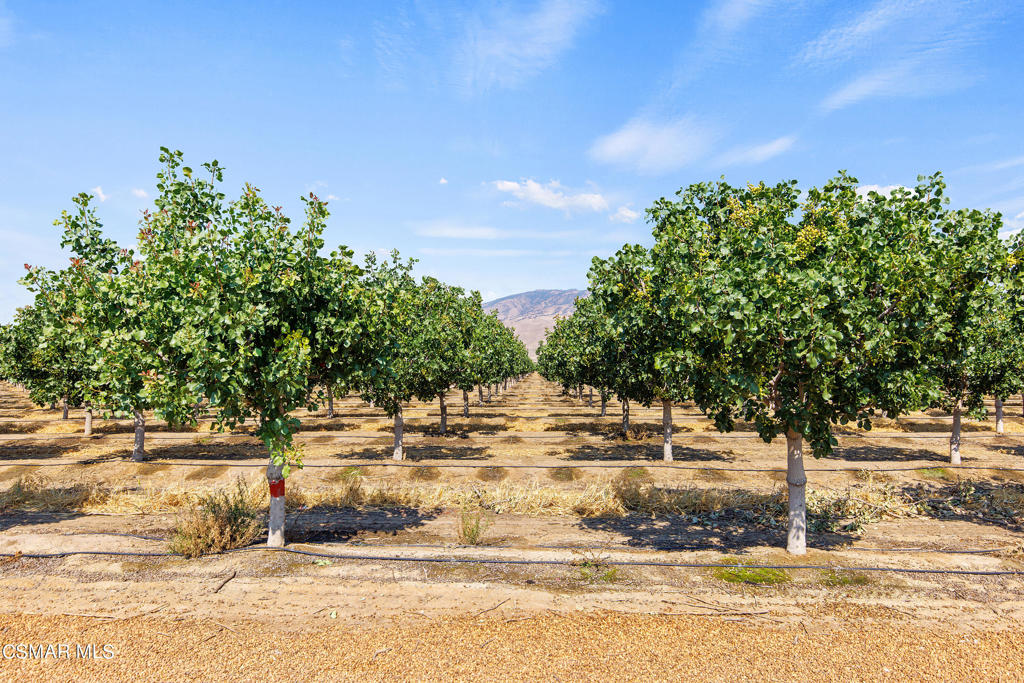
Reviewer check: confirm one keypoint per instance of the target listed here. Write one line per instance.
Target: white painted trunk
(275, 527)
(139, 449)
(330, 401)
(88, 421)
(666, 424)
(625, 417)
(399, 454)
(999, 415)
(590, 398)
(954, 438)
(64, 408)
(796, 478)
(465, 403)
(480, 394)
(444, 414)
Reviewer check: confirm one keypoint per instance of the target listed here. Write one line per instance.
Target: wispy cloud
(654, 147)
(846, 40)
(482, 252)
(98, 191)
(624, 214)
(6, 26)
(915, 77)
(901, 48)
(552, 195)
(442, 181)
(505, 47)
(755, 154)
(451, 229)
(140, 193)
(715, 30)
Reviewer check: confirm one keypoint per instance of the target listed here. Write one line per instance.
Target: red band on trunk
(277, 488)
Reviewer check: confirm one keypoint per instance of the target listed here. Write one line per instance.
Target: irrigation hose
(438, 546)
(497, 561)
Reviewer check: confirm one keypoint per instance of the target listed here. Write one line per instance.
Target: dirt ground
(388, 592)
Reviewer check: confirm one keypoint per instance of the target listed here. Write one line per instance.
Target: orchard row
(797, 311)
(226, 307)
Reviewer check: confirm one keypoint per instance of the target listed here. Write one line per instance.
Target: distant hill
(531, 314)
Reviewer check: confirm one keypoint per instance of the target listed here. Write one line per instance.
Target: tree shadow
(241, 450)
(333, 525)
(12, 518)
(418, 452)
(885, 453)
(36, 449)
(626, 450)
(731, 531)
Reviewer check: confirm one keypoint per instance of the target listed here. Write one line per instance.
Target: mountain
(531, 314)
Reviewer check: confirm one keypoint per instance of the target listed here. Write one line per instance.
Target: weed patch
(749, 573)
(224, 519)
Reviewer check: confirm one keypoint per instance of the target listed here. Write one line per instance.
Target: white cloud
(507, 47)
(729, 16)
(755, 154)
(624, 215)
(332, 197)
(98, 191)
(654, 147)
(442, 181)
(552, 195)
(884, 190)
(1005, 164)
(140, 193)
(1019, 216)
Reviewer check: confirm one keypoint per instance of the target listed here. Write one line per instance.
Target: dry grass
(223, 520)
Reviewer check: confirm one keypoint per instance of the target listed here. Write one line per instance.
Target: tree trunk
(625, 417)
(579, 393)
(954, 439)
(488, 393)
(999, 415)
(444, 414)
(796, 542)
(465, 403)
(590, 399)
(275, 530)
(399, 454)
(64, 408)
(330, 401)
(666, 423)
(139, 450)
(480, 394)
(88, 421)
(604, 405)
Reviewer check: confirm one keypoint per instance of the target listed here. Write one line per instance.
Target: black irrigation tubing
(499, 561)
(436, 546)
(515, 437)
(485, 465)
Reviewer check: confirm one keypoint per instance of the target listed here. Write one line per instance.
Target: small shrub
(564, 474)
(937, 473)
(591, 567)
(749, 573)
(491, 473)
(472, 525)
(428, 473)
(224, 519)
(836, 579)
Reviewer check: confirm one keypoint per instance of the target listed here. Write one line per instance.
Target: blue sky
(501, 144)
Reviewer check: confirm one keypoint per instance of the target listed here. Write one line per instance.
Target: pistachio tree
(980, 354)
(800, 314)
